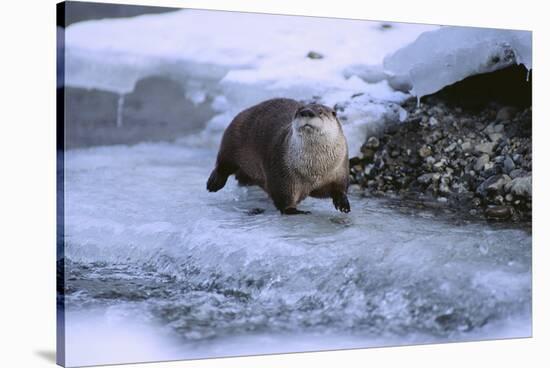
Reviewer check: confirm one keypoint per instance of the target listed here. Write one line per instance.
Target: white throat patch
(317, 146)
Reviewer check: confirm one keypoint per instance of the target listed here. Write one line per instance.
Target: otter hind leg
(219, 176)
(294, 211)
(286, 203)
(243, 179)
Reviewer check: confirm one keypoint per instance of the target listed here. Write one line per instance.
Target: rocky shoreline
(478, 162)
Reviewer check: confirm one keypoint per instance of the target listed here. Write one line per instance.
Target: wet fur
(262, 146)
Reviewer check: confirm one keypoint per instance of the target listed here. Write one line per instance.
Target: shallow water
(186, 273)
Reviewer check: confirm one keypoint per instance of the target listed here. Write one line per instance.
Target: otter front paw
(294, 211)
(341, 203)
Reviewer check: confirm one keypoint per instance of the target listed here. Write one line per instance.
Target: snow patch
(215, 54)
(442, 57)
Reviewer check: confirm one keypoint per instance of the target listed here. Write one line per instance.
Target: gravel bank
(478, 161)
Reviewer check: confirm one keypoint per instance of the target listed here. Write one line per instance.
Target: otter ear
(305, 112)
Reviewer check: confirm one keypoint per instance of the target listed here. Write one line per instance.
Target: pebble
(314, 55)
(372, 143)
(521, 186)
(492, 184)
(486, 147)
(498, 128)
(495, 137)
(424, 151)
(368, 154)
(434, 137)
(425, 178)
(517, 173)
(481, 162)
(367, 170)
(467, 146)
(498, 182)
(450, 147)
(508, 164)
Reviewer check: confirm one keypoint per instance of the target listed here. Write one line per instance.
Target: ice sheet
(147, 242)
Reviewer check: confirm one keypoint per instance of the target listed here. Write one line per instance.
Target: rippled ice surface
(157, 268)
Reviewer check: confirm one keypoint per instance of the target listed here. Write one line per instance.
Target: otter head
(316, 120)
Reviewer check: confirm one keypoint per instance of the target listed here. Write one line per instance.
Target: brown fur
(262, 147)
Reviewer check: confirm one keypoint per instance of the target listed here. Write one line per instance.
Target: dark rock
(426, 178)
(314, 55)
(499, 159)
(498, 128)
(433, 121)
(450, 147)
(368, 154)
(481, 162)
(454, 321)
(517, 173)
(433, 137)
(467, 146)
(498, 212)
(493, 184)
(372, 143)
(490, 169)
(508, 165)
(521, 186)
(506, 113)
(495, 137)
(255, 211)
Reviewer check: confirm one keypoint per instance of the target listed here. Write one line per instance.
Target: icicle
(417, 102)
(120, 107)
(528, 71)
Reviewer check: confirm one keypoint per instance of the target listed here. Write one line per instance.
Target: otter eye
(306, 113)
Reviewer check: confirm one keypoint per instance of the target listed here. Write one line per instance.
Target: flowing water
(158, 268)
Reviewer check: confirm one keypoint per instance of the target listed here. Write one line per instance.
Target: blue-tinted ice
(186, 273)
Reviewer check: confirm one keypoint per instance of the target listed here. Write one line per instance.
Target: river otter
(290, 149)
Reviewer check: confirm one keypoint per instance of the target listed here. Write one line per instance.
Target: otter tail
(216, 181)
